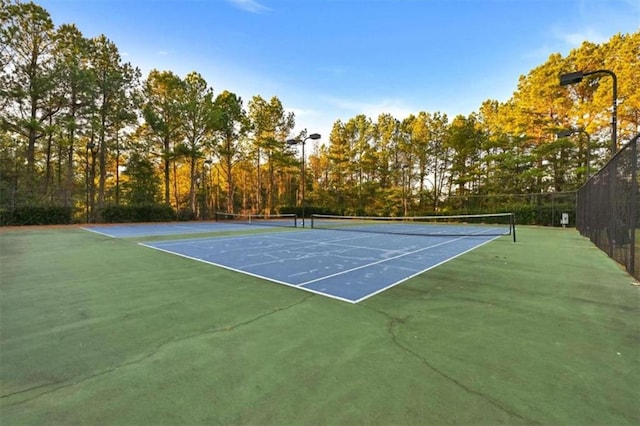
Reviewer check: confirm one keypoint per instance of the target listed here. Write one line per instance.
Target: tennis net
(284, 220)
(460, 225)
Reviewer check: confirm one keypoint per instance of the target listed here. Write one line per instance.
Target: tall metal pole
(633, 220)
(87, 181)
(404, 191)
(614, 111)
(258, 190)
(614, 119)
(313, 136)
(303, 178)
(588, 154)
(90, 177)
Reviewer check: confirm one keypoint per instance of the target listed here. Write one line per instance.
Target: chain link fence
(607, 208)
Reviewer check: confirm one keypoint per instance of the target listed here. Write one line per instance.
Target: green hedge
(186, 215)
(137, 213)
(36, 215)
(543, 215)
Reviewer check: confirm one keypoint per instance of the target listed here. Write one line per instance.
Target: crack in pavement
(66, 384)
(393, 322)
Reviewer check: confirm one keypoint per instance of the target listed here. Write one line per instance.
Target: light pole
(206, 170)
(314, 136)
(404, 191)
(569, 132)
(577, 76)
(90, 147)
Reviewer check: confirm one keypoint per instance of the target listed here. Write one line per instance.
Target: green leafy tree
(162, 112)
(622, 53)
(270, 126)
(359, 132)
(6, 38)
(231, 126)
(466, 141)
(71, 54)
(143, 184)
(198, 125)
(28, 82)
(113, 83)
(386, 142)
(320, 193)
(339, 155)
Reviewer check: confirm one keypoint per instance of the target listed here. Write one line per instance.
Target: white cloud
(251, 6)
(594, 21)
(575, 39)
(562, 41)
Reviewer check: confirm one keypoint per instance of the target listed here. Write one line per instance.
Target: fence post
(634, 205)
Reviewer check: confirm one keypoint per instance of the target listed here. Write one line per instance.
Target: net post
(513, 225)
(312, 221)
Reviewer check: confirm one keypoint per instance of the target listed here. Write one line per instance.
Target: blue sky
(334, 59)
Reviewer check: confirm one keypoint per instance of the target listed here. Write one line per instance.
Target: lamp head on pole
(314, 136)
(565, 133)
(577, 76)
(571, 78)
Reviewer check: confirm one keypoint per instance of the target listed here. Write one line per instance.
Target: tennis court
(102, 330)
(372, 256)
(349, 266)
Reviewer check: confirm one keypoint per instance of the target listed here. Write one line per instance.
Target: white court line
(161, 228)
(357, 235)
(98, 232)
(197, 240)
(158, 228)
(247, 273)
(331, 242)
(318, 244)
(301, 285)
(381, 261)
(424, 270)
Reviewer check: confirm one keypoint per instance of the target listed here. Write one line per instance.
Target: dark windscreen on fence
(608, 205)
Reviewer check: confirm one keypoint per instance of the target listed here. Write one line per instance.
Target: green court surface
(97, 330)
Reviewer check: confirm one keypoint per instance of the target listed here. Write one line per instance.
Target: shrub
(36, 215)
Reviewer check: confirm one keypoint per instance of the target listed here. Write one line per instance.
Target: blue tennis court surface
(349, 266)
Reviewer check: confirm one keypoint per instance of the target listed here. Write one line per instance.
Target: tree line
(81, 128)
